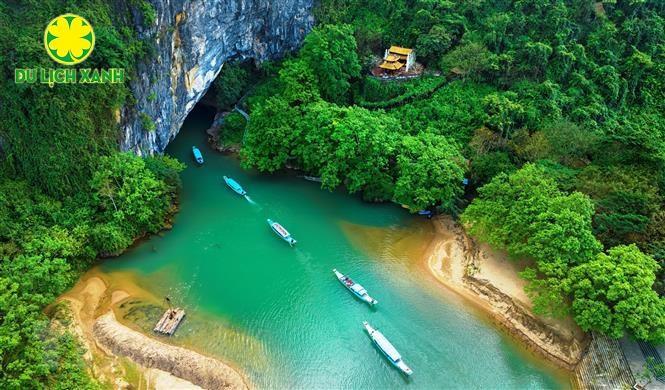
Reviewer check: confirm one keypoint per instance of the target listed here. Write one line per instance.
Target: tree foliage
(299, 125)
(430, 172)
(330, 51)
(472, 60)
(556, 106)
(130, 198)
(44, 243)
(52, 136)
(527, 214)
(53, 218)
(558, 110)
(613, 294)
(230, 84)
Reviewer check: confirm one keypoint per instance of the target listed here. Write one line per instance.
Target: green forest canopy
(554, 114)
(66, 193)
(555, 117)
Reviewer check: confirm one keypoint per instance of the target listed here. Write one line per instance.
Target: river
(279, 315)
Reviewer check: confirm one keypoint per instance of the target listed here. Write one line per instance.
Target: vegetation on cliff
(297, 120)
(66, 194)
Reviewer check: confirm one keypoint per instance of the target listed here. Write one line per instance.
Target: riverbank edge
(174, 209)
(76, 326)
(207, 372)
(112, 350)
(509, 314)
(513, 316)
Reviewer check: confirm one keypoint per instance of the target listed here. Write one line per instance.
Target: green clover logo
(69, 39)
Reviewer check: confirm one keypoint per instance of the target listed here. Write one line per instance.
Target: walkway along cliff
(193, 39)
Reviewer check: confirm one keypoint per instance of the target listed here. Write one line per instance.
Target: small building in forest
(398, 60)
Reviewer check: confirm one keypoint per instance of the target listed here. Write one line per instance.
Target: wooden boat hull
(281, 232)
(362, 295)
(387, 349)
(235, 186)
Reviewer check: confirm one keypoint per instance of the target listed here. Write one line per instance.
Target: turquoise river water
(279, 315)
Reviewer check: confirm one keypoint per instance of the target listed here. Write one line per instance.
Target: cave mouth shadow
(207, 108)
(203, 112)
(199, 119)
(193, 130)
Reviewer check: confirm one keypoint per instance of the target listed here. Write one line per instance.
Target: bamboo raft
(170, 321)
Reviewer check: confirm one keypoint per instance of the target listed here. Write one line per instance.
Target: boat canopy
(234, 185)
(359, 289)
(197, 154)
(280, 229)
(385, 345)
(232, 182)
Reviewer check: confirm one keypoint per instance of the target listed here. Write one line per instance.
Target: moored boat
(426, 213)
(197, 155)
(387, 349)
(355, 288)
(234, 186)
(281, 232)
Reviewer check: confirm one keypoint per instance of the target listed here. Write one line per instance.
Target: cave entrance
(220, 116)
(228, 95)
(193, 133)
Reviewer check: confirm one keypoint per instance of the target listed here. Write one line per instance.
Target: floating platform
(169, 322)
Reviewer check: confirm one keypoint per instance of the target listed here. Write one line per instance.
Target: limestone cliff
(193, 39)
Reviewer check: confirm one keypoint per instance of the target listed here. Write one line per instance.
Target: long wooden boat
(357, 290)
(388, 350)
(281, 232)
(234, 186)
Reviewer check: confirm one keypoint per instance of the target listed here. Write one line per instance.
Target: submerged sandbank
(124, 357)
(484, 278)
(200, 370)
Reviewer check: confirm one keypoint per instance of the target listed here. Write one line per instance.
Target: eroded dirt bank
(490, 280)
(201, 370)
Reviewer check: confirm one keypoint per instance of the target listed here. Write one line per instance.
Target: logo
(69, 39)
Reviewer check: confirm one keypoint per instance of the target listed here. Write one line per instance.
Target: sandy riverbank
(198, 369)
(490, 280)
(125, 358)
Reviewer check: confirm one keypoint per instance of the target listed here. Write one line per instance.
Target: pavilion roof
(391, 65)
(400, 50)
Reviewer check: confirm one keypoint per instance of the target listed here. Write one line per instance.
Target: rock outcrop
(193, 39)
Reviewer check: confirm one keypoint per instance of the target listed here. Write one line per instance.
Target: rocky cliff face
(193, 39)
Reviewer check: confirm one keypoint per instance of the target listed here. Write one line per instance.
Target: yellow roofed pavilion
(397, 58)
